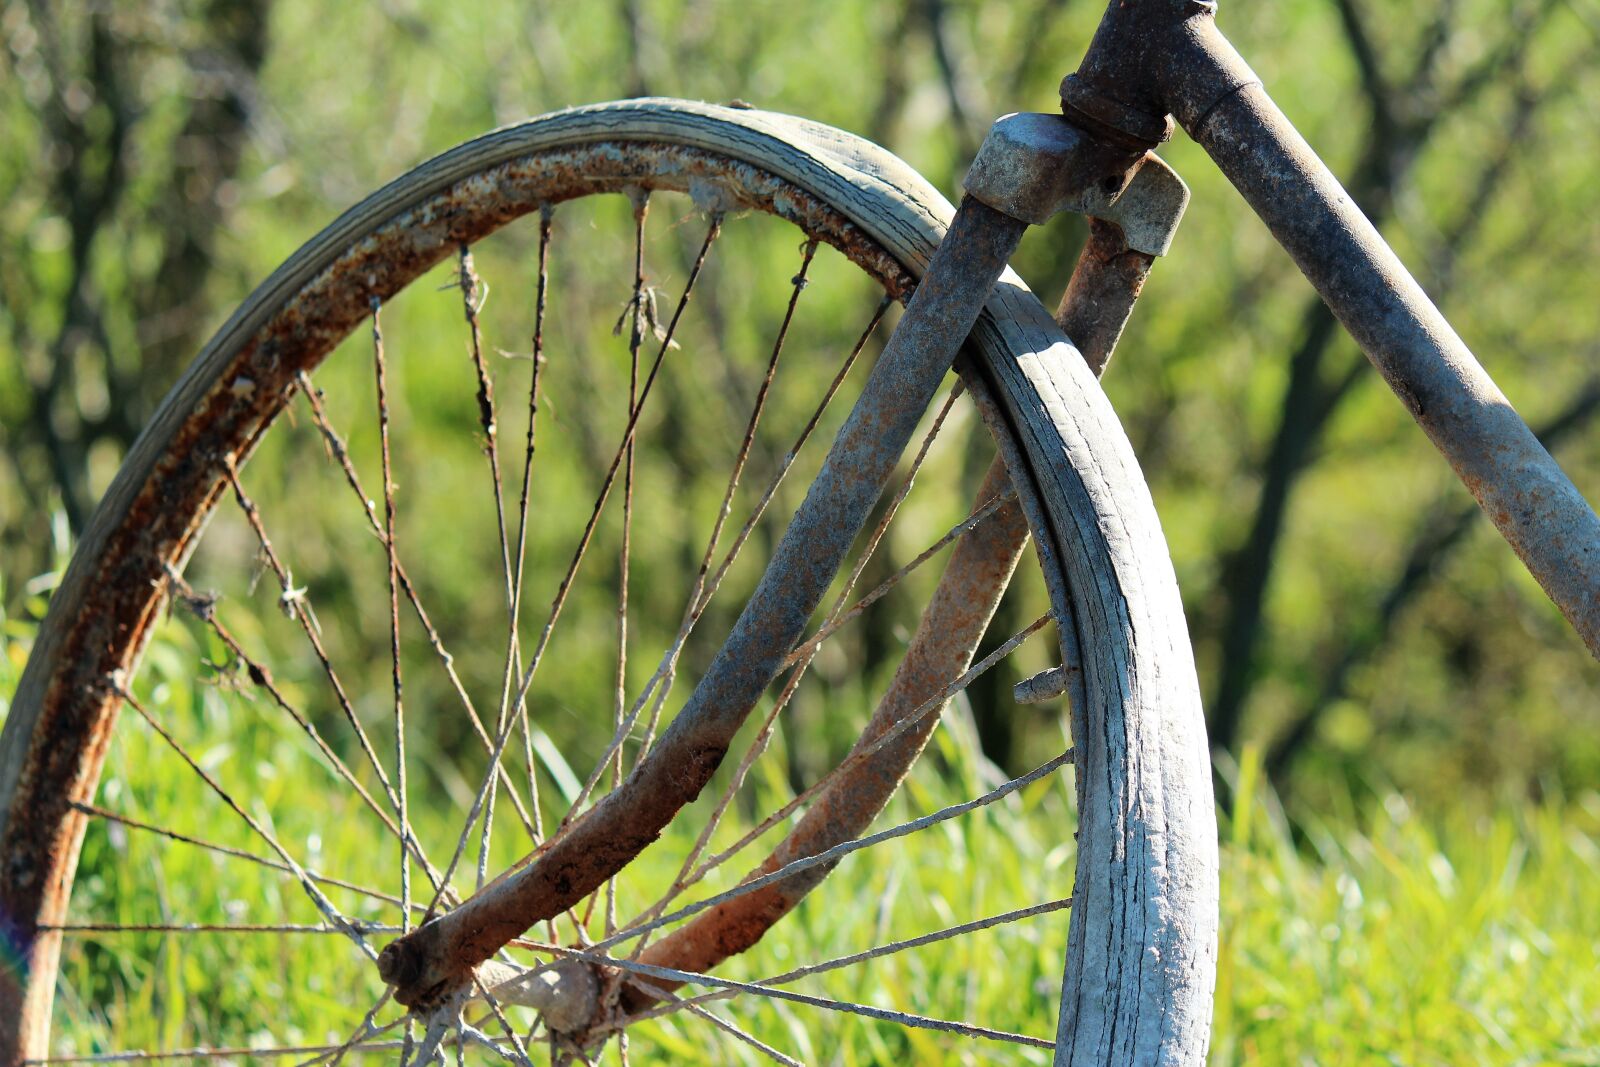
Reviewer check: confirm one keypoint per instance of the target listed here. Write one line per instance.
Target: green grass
(1373, 934)
(1393, 936)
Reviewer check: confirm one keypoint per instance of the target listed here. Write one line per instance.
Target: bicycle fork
(1031, 166)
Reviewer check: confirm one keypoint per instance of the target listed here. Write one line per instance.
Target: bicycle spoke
(341, 455)
(885, 1014)
(832, 626)
(500, 1016)
(859, 755)
(787, 462)
(365, 1030)
(641, 207)
(660, 683)
(727, 1027)
(775, 993)
(610, 478)
(955, 618)
(380, 373)
(322, 903)
(546, 215)
(720, 1023)
(839, 851)
(672, 1003)
(467, 1032)
(643, 926)
(916, 942)
(204, 608)
(763, 736)
(700, 597)
(473, 295)
(899, 498)
(564, 588)
(236, 853)
(432, 1037)
(832, 855)
(358, 925)
(798, 285)
(298, 608)
(203, 1053)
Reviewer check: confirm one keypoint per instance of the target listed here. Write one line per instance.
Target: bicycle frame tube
(1153, 58)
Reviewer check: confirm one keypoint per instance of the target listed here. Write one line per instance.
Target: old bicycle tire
(1140, 954)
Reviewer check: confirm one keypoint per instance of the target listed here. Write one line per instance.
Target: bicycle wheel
(616, 479)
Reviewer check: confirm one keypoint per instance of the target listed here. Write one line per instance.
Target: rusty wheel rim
(137, 571)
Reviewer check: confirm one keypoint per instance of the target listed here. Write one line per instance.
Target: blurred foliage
(157, 158)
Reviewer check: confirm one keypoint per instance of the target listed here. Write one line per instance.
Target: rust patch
(1100, 296)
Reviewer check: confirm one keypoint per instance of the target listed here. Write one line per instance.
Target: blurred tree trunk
(1446, 528)
(1436, 540)
(969, 115)
(1402, 119)
(100, 341)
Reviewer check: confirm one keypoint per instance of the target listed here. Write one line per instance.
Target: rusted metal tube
(439, 956)
(947, 638)
(1159, 56)
(1520, 487)
(1095, 307)
(1100, 296)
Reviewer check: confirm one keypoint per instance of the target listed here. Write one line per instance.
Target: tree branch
(966, 109)
(1373, 82)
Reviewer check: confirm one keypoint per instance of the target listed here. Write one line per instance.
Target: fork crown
(1150, 62)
